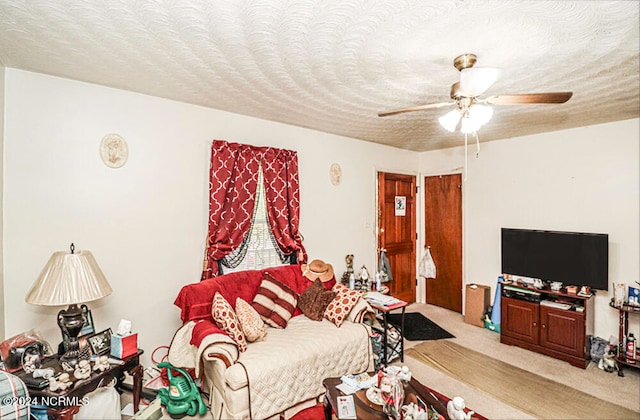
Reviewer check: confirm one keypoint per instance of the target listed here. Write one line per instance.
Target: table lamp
(70, 278)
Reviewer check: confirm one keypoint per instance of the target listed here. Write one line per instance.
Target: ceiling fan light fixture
(476, 117)
(449, 121)
(475, 81)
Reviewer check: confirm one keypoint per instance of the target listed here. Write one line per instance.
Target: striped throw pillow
(275, 302)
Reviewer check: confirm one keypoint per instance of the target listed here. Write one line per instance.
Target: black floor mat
(418, 327)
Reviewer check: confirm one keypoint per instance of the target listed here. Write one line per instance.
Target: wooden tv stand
(555, 332)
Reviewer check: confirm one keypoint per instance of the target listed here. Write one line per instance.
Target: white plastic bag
(101, 404)
(427, 265)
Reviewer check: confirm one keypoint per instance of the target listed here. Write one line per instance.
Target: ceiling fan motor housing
(464, 61)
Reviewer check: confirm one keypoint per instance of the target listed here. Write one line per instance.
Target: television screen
(580, 259)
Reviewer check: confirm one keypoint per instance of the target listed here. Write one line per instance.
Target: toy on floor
(182, 397)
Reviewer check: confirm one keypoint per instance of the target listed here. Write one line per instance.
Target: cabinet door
(519, 319)
(562, 330)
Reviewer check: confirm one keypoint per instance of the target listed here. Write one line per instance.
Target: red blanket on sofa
(195, 300)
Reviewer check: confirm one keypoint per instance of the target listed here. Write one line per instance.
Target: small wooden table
(384, 310)
(366, 410)
(62, 405)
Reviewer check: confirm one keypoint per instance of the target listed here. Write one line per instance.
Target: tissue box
(123, 346)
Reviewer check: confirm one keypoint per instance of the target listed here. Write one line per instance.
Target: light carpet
(519, 388)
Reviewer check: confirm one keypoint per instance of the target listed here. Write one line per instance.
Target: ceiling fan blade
(474, 81)
(530, 98)
(415, 108)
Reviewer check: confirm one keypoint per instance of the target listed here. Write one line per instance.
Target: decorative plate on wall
(113, 150)
(335, 174)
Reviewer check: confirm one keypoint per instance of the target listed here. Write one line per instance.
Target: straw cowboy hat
(318, 269)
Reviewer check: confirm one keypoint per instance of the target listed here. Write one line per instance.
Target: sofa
(281, 374)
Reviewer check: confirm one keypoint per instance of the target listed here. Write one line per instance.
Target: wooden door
(443, 234)
(397, 231)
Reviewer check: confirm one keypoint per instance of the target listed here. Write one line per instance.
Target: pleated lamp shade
(69, 278)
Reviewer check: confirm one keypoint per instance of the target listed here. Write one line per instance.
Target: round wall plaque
(113, 150)
(335, 174)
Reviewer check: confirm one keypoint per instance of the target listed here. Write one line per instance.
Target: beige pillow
(252, 325)
(227, 321)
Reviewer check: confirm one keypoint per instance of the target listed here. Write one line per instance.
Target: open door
(397, 231)
(443, 233)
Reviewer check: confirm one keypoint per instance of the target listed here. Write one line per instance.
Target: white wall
(584, 180)
(2, 72)
(145, 223)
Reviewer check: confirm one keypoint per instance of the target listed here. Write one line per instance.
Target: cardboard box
(478, 299)
(123, 346)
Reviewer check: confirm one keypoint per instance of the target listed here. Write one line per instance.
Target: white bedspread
(290, 365)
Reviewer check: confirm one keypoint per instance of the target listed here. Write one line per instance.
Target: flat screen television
(573, 258)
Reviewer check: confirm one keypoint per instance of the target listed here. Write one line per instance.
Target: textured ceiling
(332, 65)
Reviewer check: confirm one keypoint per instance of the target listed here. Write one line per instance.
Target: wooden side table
(62, 405)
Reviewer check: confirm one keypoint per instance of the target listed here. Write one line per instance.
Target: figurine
(455, 409)
(83, 370)
(59, 383)
(364, 274)
(349, 261)
(101, 363)
(414, 412)
(43, 373)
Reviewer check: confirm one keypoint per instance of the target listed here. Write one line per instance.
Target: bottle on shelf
(631, 348)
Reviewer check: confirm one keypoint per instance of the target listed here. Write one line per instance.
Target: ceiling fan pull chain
(477, 144)
(465, 157)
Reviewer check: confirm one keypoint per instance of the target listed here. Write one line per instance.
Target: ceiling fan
(471, 111)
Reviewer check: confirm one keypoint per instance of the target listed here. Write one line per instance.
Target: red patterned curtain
(233, 178)
(282, 191)
(233, 181)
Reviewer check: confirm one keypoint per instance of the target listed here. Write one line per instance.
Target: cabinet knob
(544, 326)
(535, 324)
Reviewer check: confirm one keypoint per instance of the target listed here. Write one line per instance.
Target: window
(259, 249)
(233, 193)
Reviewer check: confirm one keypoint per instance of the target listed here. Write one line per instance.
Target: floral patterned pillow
(342, 304)
(227, 321)
(252, 325)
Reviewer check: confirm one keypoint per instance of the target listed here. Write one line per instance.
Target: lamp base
(71, 322)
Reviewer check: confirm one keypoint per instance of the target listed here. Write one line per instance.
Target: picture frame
(88, 327)
(100, 343)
